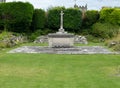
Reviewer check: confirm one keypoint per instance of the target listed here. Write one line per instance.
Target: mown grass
(59, 71)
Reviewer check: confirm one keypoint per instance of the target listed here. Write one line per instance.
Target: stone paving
(73, 50)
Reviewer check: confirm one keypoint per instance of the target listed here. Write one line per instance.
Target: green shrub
(34, 35)
(91, 17)
(38, 33)
(38, 21)
(1, 21)
(113, 43)
(110, 15)
(16, 16)
(2, 45)
(116, 47)
(72, 19)
(105, 30)
(53, 18)
(94, 39)
(115, 16)
(5, 34)
(9, 39)
(105, 14)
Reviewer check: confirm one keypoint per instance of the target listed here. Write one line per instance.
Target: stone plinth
(61, 40)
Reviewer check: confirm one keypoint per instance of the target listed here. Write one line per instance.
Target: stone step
(73, 50)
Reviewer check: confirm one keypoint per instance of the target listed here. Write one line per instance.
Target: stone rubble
(13, 40)
(41, 39)
(80, 39)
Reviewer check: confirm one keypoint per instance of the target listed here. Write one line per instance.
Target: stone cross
(61, 23)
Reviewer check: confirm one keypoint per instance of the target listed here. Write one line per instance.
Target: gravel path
(74, 50)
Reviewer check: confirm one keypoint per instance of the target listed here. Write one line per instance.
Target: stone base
(74, 50)
(61, 40)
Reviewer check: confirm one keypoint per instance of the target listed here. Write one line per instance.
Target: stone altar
(61, 39)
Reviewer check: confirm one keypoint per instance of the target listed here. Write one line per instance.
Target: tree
(115, 16)
(110, 15)
(16, 16)
(1, 21)
(105, 14)
(72, 19)
(91, 17)
(104, 30)
(53, 17)
(38, 19)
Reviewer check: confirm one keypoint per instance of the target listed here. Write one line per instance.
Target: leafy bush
(110, 15)
(16, 16)
(91, 17)
(9, 39)
(38, 33)
(5, 34)
(53, 17)
(38, 21)
(105, 30)
(116, 47)
(105, 14)
(3, 45)
(114, 43)
(34, 35)
(72, 19)
(115, 16)
(94, 39)
(1, 21)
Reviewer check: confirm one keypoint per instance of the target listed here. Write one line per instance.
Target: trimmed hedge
(105, 14)
(53, 18)
(72, 19)
(110, 15)
(16, 16)
(115, 16)
(39, 20)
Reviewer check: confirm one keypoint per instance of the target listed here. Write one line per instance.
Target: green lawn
(59, 71)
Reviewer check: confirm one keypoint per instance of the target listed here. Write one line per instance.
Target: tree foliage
(72, 19)
(53, 17)
(110, 15)
(104, 30)
(105, 14)
(115, 16)
(91, 17)
(1, 21)
(16, 16)
(39, 19)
